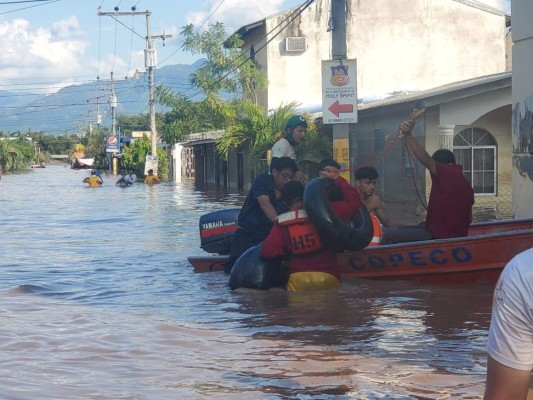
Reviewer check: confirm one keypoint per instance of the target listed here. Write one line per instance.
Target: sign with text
(150, 163)
(339, 91)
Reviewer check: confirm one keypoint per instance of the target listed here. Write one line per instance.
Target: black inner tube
(355, 235)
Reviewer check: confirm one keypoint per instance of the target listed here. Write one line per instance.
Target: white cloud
(66, 29)
(55, 52)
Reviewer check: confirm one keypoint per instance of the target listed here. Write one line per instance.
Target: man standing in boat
(261, 207)
(449, 211)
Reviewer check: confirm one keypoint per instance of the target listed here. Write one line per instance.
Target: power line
(25, 8)
(23, 1)
(196, 31)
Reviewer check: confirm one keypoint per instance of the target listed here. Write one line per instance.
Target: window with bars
(476, 150)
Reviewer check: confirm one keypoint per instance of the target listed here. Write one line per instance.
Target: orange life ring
(378, 231)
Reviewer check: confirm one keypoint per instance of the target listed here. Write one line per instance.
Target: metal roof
(447, 92)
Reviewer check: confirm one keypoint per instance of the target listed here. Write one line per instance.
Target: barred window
(476, 150)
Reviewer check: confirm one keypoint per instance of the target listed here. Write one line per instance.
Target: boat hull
(481, 256)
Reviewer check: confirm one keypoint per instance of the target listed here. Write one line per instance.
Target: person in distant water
(295, 131)
(122, 181)
(365, 182)
(449, 211)
(510, 342)
(98, 174)
(151, 178)
(131, 177)
(93, 180)
(312, 263)
(261, 207)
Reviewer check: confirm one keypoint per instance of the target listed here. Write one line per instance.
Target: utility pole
(150, 62)
(113, 102)
(338, 52)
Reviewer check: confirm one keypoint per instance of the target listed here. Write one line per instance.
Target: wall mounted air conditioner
(296, 43)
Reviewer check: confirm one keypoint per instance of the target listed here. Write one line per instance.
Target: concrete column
(522, 109)
(446, 136)
(176, 157)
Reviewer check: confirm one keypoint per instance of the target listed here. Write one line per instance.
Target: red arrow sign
(337, 108)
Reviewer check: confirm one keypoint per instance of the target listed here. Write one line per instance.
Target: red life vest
(304, 235)
(378, 232)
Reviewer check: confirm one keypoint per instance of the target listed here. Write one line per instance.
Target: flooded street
(97, 301)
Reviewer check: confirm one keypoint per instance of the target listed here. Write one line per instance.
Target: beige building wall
(509, 51)
(399, 45)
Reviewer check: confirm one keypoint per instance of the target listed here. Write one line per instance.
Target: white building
(400, 45)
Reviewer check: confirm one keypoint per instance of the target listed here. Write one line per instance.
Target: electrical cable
(25, 8)
(196, 31)
(131, 43)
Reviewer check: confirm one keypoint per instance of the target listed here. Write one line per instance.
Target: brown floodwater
(97, 301)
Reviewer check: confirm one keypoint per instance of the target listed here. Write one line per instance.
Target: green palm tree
(255, 129)
(10, 156)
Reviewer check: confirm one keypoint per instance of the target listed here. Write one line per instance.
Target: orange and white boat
(480, 256)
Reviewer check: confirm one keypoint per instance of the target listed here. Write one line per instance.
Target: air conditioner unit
(296, 43)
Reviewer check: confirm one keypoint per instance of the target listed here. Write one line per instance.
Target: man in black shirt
(261, 207)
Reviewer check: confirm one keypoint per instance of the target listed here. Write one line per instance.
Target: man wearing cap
(295, 131)
(93, 180)
(261, 208)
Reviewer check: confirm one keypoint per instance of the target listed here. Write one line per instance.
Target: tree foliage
(227, 70)
(256, 129)
(187, 117)
(134, 157)
(129, 123)
(226, 73)
(15, 155)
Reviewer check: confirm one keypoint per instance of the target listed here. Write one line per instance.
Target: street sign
(112, 144)
(339, 91)
(151, 163)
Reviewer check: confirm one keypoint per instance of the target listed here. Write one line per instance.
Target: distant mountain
(73, 108)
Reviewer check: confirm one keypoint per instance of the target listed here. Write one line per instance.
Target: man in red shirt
(312, 264)
(449, 211)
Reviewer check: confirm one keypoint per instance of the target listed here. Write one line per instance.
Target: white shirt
(282, 148)
(130, 178)
(511, 329)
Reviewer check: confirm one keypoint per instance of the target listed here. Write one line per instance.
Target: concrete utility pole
(338, 52)
(113, 102)
(150, 62)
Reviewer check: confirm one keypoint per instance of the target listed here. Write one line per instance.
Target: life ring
(355, 235)
(378, 231)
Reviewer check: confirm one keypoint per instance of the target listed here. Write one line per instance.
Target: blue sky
(48, 44)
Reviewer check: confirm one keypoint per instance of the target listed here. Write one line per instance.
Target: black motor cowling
(217, 229)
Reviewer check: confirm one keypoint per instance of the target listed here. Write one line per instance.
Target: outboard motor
(217, 230)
